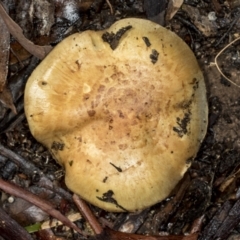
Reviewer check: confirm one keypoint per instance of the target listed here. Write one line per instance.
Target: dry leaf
(4, 53)
(7, 100)
(206, 26)
(173, 7)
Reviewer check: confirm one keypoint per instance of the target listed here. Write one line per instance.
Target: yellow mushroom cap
(123, 110)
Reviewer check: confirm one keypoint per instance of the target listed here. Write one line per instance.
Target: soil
(209, 190)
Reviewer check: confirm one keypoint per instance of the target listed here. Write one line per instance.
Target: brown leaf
(84, 5)
(173, 7)
(4, 53)
(38, 51)
(17, 53)
(6, 99)
(202, 22)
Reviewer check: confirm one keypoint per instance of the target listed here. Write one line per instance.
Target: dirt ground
(207, 198)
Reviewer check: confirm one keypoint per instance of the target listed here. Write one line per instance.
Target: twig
(36, 50)
(228, 30)
(131, 222)
(30, 169)
(10, 229)
(53, 223)
(87, 213)
(48, 184)
(4, 48)
(110, 6)
(188, 24)
(163, 214)
(41, 203)
(229, 223)
(216, 222)
(15, 123)
(218, 68)
(109, 234)
(197, 225)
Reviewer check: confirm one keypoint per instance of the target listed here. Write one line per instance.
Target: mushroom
(123, 110)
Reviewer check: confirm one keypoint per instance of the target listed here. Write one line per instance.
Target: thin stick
(110, 6)
(197, 225)
(218, 68)
(87, 213)
(114, 235)
(41, 203)
(29, 169)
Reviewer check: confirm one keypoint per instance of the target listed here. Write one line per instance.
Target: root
(218, 68)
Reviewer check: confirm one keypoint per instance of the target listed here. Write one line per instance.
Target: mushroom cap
(123, 110)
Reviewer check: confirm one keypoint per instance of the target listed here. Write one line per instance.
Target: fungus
(123, 110)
